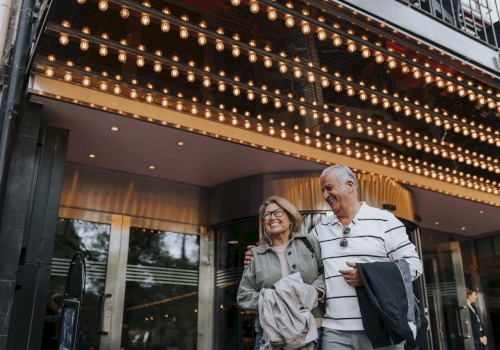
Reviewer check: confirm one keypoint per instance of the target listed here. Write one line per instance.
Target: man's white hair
(343, 173)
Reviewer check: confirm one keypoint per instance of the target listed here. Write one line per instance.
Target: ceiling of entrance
(205, 161)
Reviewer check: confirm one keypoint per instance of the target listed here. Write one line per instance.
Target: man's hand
(248, 255)
(352, 276)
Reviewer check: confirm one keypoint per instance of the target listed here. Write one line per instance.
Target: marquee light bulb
(235, 2)
(84, 45)
(289, 22)
(157, 67)
(68, 76)
(252, 57)
(140, 61)
(183, 33)
(306, 28)
(235, 51)
(122, 56)
(268, 62)
(124, 13)
(297, 73)
(191, 77)
(206, 82)
(103, 5)
(117, 90)
(321, 34)
(165, 26)
(337, 40)
(174, 72)
(63, 39)
(219, 45)
(272, 14)
(282, 68)
(103, 50)
(86, 82)
(254, 7)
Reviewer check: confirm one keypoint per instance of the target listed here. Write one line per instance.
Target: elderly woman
(282, 251)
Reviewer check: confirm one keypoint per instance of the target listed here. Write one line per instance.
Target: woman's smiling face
(276, 224)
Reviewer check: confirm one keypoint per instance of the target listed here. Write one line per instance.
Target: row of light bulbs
(272, 15)
(326, 118)
(337, 41)
(208, 113)
(428, 116)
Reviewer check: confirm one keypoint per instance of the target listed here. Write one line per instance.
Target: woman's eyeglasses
(344, 242)
(277, 214)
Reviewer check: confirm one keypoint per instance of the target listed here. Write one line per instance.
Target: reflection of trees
(158, 315)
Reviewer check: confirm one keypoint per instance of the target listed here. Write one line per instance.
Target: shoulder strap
(307, 244)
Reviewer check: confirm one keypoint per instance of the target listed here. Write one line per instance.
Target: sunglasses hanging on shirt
(344, 242)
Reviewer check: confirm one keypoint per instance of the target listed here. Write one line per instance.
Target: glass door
(444, 278)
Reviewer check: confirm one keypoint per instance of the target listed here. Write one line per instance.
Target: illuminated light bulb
(117, 90)
(221, 87)
(264, 99)
(462, 92)
(283, 68)
(440, 83)
(219, 45)
(374, 100)
(386, 104)
(81, 2)
(417, 74)
(277, 104)
(191, 77)
(397, 108)
(350, 91)
(306, 28)
(149, 98)
(297, 73)
(283, 134)
(360, 129)
(68, 76)
(63, 39)
(184, 33)
(122, 56)
(491, 104)
(451, 89)
(179, 106)
(247, 124)
(289, 21)
(472, 96)
(145, 19)
(194, 110)
(365, 52)
(254, 7)
(208, 114)
(337, 40)
(124, 13)
(174, 72)
(103, 5)
(302, 111)
(268, 63)
(290, 107)
(206, 82)
(250, 95)
(86, 81)
(236, 91)
(103, 50)
(325, 82)
(338, 88)
(428, 79)
(405, 69)
(165, 26)
(351, 47)
(392, 64)
(481, 100)
(84, 45)
(379, 58)
(103, 86)
(363, 96)
(326, 118)
(272, 14)
(235, 2)
(252, 57)
(321, 34)
(157, 67)
(140, 61)
(311, 78)
(235, 51)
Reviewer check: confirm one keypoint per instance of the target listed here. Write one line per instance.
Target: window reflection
(161, 296)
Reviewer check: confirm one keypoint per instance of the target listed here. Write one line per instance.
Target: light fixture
(183, 33)
(124, 13)
(165, 26)
(91, 155)
(289, 21)
(122, 56)
(103, 50)
(63, 39)
(272, 14)
(84, 45)
(254, 7)
(151, 167)
(140, 61)
(103, 5)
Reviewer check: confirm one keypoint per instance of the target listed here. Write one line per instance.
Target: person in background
(52, 324)
(480, 340)
(282, 251)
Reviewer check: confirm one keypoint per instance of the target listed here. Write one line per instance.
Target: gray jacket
(265, 270)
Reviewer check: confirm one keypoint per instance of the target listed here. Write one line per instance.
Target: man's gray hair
(343, 173)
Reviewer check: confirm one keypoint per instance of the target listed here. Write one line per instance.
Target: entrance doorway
(144, 272)
(448, 311)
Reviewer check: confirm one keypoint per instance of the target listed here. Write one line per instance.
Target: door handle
(103, 318)
(463, 332)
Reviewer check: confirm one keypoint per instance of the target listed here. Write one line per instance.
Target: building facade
(146, 133)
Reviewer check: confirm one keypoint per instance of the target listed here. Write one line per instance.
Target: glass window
(161, 296)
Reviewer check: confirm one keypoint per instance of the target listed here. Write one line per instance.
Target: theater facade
(145, 134)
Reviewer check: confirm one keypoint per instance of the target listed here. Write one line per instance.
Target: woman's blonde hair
(290, 210)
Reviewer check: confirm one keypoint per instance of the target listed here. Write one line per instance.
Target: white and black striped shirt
(375, 235)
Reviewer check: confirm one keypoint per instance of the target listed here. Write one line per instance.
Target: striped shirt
(375, 236)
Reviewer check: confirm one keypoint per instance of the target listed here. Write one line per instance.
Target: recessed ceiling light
(91, 155)
(436, 223)
(463, 228)
(180, 143)
(151, 167)
(114, 128)
(481, 212)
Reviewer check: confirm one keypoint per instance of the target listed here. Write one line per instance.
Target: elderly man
(356, 234)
